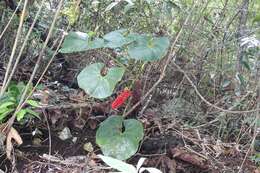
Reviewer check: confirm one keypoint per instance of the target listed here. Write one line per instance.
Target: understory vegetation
(133, 86)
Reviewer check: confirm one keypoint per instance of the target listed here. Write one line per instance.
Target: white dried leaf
(65, 134)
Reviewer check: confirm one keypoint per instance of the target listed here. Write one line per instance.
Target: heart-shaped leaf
(79, 41)
(117, 143)
(99, 85)
(75, 42)
(148, 49)
(115, 39)
(131, 37)
(96, 43)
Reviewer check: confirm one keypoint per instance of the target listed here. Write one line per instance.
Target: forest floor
(182, 134)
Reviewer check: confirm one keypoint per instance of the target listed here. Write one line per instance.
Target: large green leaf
(117, 143)
(148, 49)
(115, 39)
(142, 47)
(96, 43)
(131, 37)
(97, 85)
(75, 42)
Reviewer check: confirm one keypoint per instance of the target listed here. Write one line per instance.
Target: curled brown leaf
(12, 134)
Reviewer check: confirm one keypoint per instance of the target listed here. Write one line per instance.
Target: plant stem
(14, 47)
(22, 100)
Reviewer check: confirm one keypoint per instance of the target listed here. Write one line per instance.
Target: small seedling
(10, 100)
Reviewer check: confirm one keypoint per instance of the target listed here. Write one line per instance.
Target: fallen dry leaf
(79, 122)
(257, 171)
(56, 115)
(92, 163)
(12, 134)
(170, 164)
(92, 124)
(218, 148)
(88, 147)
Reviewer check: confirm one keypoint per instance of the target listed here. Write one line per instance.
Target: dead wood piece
(161, 143)
(79, 161)
(192, 158)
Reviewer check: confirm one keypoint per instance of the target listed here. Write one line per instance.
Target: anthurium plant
(117, 137)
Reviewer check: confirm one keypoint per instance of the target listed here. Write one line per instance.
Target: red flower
(121, 98)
